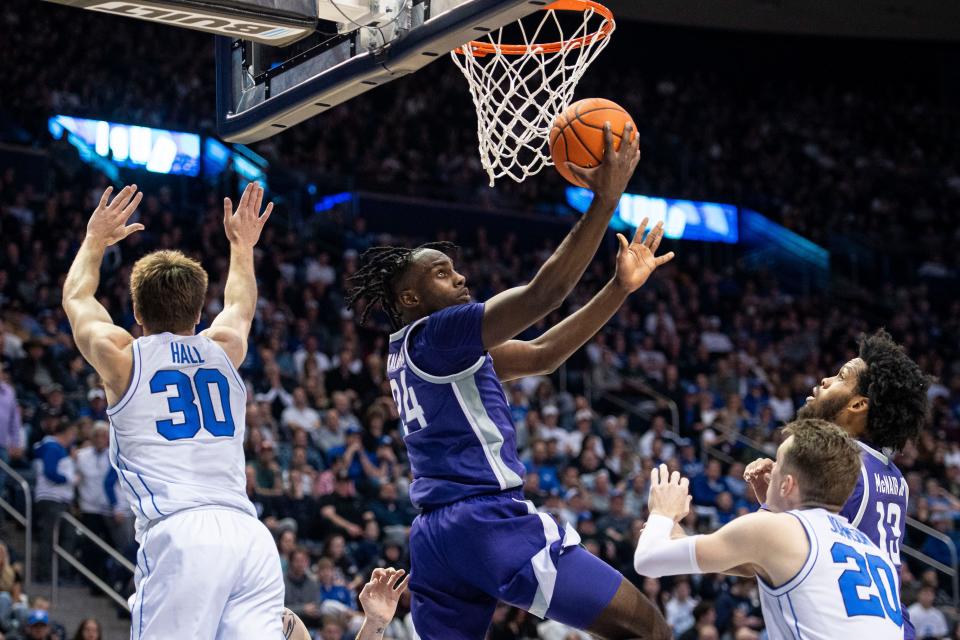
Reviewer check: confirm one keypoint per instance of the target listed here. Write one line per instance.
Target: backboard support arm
(254, 104)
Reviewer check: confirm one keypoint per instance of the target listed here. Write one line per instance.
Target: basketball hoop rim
(480, 49)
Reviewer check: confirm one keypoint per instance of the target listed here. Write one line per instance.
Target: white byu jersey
(847, 587)
(176, 437)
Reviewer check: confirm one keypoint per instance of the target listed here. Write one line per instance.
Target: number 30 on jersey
(411, 413)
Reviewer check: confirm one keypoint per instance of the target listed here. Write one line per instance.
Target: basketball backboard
(280, 63)
(262, 90)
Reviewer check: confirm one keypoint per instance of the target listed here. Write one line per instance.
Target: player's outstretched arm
(104, 345)
(379, 599)
(232, 325)
(510, 312)
(770, 545)
(636, 262)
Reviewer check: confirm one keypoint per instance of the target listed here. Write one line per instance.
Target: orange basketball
(577, 134)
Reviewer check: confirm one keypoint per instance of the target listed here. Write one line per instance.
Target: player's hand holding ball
(108, 224)
(587, 147)
(637, 260)
(669, 494)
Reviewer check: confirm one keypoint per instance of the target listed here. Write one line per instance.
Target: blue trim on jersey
(813, 547)
(138, 596)
(143, 582)
(134, 381)
(152, 497)
(125, 479)
(783, 614)
(796, 621)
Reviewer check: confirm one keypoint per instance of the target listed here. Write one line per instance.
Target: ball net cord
(519, 95)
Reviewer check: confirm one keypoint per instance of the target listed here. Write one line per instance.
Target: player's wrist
(620, 286)
(659, 512)
(377, 621)
(606, 199)
(96, 242)
(237, 246)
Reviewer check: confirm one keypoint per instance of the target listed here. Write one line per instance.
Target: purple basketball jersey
(456, 420)
(878, 508)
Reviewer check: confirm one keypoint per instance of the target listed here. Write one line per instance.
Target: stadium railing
(651, 393)
(25, 519)
(60, 552)
(707, 450)
(951, 571)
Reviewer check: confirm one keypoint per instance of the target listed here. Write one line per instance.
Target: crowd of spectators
(733, 351)
(326, 466)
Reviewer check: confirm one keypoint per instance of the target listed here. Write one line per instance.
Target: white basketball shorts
(207, 574)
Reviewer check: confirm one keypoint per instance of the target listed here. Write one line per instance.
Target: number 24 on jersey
(411, 413)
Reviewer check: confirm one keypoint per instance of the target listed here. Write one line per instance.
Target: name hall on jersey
(185, 354)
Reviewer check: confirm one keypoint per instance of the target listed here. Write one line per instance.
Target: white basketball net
(518, 95)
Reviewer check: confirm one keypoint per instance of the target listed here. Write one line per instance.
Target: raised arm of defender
(104, 345)
(636, 262)
(232, 325)
(773, 546)
(512, 311)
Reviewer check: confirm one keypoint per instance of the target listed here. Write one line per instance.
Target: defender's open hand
(379, 596)
(244, 226)
(669, 494)
(108, 224)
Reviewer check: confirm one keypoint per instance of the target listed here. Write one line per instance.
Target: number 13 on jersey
(411, 413)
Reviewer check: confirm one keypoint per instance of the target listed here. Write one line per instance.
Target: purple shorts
(467, 556)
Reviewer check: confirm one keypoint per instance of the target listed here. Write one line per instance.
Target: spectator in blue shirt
(330, 587)
(96, 407)
(540, 464)
(935, 548)
(56, 480)
(734, 481)
(690, 465)
(705, 488)
(726, 510)
(358, 462)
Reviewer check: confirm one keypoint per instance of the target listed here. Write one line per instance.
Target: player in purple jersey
(477, 541)
(879, 398)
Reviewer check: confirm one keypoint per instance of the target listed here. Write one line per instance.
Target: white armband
(657, 555)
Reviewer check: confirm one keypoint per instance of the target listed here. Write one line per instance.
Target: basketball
(577, 134)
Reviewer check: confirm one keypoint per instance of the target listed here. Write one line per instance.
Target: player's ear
(408, 298)
(787, 485)
(858, 405)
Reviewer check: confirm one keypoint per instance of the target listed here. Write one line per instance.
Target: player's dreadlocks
(380, 268)
(897, 390)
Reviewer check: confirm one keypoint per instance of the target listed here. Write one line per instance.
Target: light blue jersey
(176, 437)
(847, 588)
